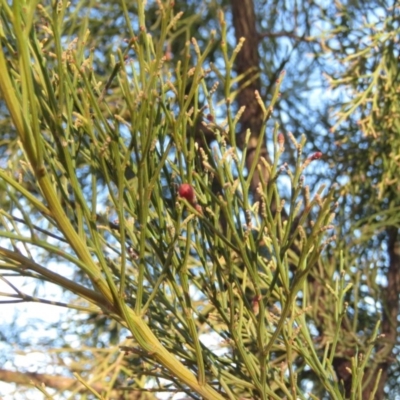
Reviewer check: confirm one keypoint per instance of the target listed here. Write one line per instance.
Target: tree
(197, 236)
(367, 148)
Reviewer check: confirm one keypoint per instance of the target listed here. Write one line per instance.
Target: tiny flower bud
(281, 141)
(315, 156)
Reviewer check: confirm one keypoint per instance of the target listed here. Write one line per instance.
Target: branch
(60, 383)
(289, 35)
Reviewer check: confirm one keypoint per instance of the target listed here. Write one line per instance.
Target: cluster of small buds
(203, 154)
(121, 120)
(239, 45)
(171, 230)
(159, 66)
(214, 88)
(172, 87)
(153, 144)
(257, 96)
(301, 312)
(207, 166)
(327, 228)
(176, 18)
(230, 153)
(139, 98)
(196, 46)
(105, 145)
(263, 208)
(318, 199)
(298, 207)
(239, 114)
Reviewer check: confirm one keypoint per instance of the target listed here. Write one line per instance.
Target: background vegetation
(208, 190)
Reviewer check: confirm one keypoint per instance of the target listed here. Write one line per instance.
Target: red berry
(186, 192)
(210, 117)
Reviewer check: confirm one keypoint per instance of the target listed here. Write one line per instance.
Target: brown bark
(247, 62)
(248, 59)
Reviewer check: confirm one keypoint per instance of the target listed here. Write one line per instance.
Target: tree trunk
(247, 62)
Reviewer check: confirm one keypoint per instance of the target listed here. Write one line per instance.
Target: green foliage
(363, 46)
(220, 296)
